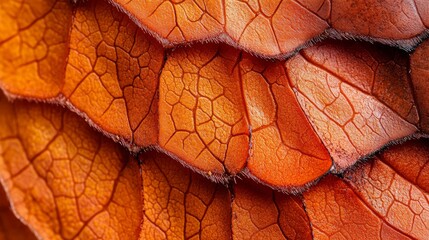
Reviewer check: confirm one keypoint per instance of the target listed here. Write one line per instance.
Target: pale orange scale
(286, 152)
(181, 204)
(30, 42)
(206, 125)
(197, 21)
(321, 8)
(399, 202)
(239, 15)
(411, 161)
(178, 21)
(350, 121)
(375, 70)
(291, 26)
(72, 178)
(261, 213)
(259, 35)
(104, 78)
(337, 212)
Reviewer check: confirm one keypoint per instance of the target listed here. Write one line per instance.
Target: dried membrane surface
(386, 198)
(218, 110)
(181, 204)
(67, 181)
(279, 27)
(358, 99)
(260, 213)
(282, 137)
(64, 179)
(223, 112)
(202, 116)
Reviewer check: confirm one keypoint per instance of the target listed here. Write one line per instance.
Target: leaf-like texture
(112, 73)
(419, 65)
(260, 213)
(179, 204)
(10, 226)
(386, 198)
(216, 109)
(219, 111)
(112, 76)
(33, 36)
(202, 116)
(415, 171)
(280, 27)
(266, 28)
(282, 137)
(64, 179)
(358, 97)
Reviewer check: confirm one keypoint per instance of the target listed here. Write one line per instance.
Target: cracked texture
(223, 112)
(219, 111)
(357, 100)
(260, 213)
(386, 198)
(179, 204)
(65, 180)
(280, 27)
(202, 116)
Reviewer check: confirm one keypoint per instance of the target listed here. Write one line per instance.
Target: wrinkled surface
(282, 137)
(64, 179)
(223, 112)
(260, 213)
(112, 73)
(391, 192)
(279, 27)
(179, 204)
(383, 199)
(90, 186)
(33, 35)
(358, 98)
(220, 112)
(202, 116)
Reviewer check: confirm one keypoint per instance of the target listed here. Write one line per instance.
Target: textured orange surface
(279, 27)
(399, 203)
(112, 73)
(10, 226)
(282, 137)
(33, 35)
(202, 116)
(260, 213)
(223, 112)
(181, 204)
(358, 98)
(324, 124)
(64, 179)
(386, 198)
